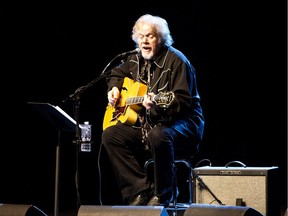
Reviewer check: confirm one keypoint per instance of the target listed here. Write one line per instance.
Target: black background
(50, 49)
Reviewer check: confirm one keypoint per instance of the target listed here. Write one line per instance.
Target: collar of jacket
(160, 59)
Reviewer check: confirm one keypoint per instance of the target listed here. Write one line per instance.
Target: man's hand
(148, 101)
(113, 96)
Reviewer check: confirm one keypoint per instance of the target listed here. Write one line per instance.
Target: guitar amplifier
(255, 187)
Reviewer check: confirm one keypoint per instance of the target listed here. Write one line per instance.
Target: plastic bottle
(86, 137)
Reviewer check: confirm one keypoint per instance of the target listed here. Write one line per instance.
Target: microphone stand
(76, 98)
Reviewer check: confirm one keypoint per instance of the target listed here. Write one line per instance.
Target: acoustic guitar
(129, 104)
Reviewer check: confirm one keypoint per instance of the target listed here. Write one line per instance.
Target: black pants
(127, 155)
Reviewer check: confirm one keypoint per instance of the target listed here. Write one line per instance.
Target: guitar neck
(162, 99)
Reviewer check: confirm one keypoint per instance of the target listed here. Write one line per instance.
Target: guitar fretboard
(134, 100)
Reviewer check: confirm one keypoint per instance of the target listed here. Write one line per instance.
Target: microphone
(136, 51)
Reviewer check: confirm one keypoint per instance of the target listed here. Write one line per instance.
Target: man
(162, 81)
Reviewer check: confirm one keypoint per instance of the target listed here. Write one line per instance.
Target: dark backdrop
(239, 51)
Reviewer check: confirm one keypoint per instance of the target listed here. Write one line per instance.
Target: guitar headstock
(164, 99)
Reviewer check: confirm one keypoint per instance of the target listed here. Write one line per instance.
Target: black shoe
(163, 200)
(158, 201)
(140, 199)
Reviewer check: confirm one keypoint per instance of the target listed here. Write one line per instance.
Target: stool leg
(190, 179)
(191, 182)
(175, 190)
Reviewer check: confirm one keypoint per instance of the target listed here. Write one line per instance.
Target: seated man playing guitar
(153, 103)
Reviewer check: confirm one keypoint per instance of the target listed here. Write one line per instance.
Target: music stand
(62, 122)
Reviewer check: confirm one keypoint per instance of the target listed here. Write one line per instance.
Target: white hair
(159, 24)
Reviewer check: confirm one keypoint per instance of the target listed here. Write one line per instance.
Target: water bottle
(86, 137)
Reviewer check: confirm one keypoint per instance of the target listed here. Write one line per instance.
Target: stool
(175, 205)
